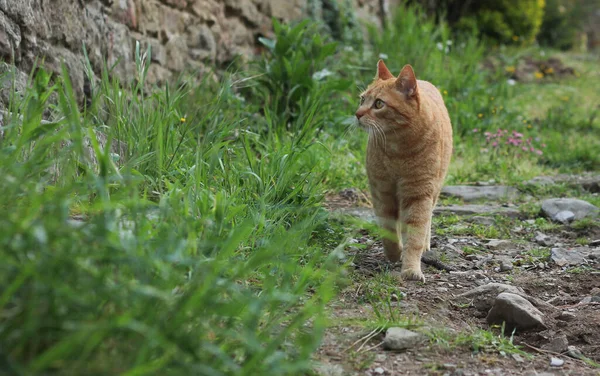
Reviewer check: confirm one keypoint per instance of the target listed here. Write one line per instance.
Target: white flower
(383, 56)
(449, 42)
(511, 82)
(322, 74)
(440, 46)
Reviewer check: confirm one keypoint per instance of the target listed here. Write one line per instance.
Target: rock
(401, 339)
(483, 296)
(480, 220)
(580, 209)
(518, 358)
(556, 362)
(567, 316)
(499, 245)
(574, 352)
(540, 181)
(379, 371)
(506, 266)
(586, 300)
(564, 217)
(590, 183)
(557, 345)
(543, 239)
(328, 369)
(567, 257)
(516, 311)
(471, 209)
(472, 193)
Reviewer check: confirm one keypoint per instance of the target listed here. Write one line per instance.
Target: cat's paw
(410, 274)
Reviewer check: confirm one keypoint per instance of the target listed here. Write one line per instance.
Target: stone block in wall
(149, 17)
(173, 22)
(201, 43)
(158, 52)
(246, 11)
(158, 75)
(10, 36)
(121, 50)
(125, 12)
(12, 80)
(177, 54)
(28, 14)
(284, 10)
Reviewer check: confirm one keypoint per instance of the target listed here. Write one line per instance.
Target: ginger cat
(408, 153)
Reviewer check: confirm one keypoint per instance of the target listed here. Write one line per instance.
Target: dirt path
(524, 251)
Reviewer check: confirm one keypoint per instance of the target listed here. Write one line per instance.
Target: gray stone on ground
(564, 217)
(401, 339)
(328, 369)
(506, 265)
(574, 352)
(558, 344)
(499, 245)
(556, 362)
(567, 316)
(580, 209)
(470, 209)
(472, 193)
(590, 183)
(540, 181)
(367, 214)
(568, 257)
(483, 296)
(543, 239)
(481, 220)
(516, 312)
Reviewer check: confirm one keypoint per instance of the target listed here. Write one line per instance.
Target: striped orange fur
(408, 153)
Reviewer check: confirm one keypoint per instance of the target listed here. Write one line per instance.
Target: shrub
(563, 20)
(506, 21)
(294, 70)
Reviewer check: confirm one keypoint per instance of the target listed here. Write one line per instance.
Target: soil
(348, 350)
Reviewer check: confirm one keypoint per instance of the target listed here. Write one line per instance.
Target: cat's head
(389, 102)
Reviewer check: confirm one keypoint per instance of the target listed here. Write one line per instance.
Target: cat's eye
(362, 99)
(379, 104)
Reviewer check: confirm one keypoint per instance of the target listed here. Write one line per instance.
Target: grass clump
(186, 250)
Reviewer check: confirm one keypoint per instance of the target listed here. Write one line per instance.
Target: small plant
(512, 143)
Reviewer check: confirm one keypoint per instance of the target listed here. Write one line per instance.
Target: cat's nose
(359, 114)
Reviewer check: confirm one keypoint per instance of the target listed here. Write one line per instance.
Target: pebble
(379, 371)
(558, 344)
(506, 266)
(567, 316)
(543, 239)
(565, 216)
(556, 362)
(401, 339)
(574, 352)
(499, 244)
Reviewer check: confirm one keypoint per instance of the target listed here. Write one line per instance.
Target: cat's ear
(382, 72)
(406, 82)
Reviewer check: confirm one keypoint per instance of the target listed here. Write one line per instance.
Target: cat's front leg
(416, 220)
(385, 205)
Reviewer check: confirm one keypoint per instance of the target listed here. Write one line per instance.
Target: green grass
(201, 246)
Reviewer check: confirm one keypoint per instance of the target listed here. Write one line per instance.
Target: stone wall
(183, 33)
